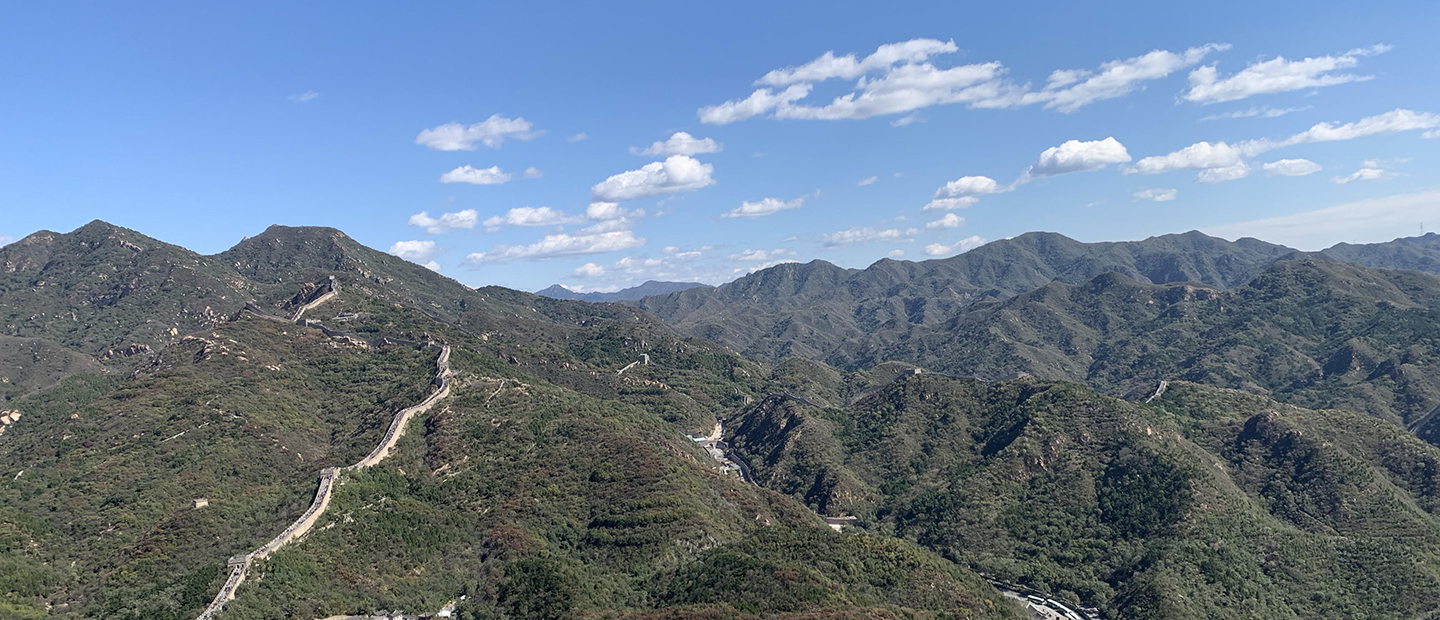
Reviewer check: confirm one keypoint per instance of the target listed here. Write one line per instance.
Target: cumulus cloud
(963, 192)
(759, 102)
(1077, 156)
(610, 211)
(476, 176)
(491, 132)
(557, 245)
(1432, 134)
(1220, 161)
(460, 220)
(1239, 170)
(1276, 75)
(1261, 112)
(949, 221)
(895, 254)
(680, 143)
(899, 78)
(765, 206)
(588, 270)
(416, 252)
(677, 173)
(1156, 195)
(529, 216)
(576, 137)
(963, 245)
(533, 173)
(308, 95)
(866, 181)
(1198, 156)
(1290, 168)
(866, 234)
(1369, 171)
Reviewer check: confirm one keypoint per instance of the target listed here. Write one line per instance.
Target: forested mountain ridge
(811, 309)
(1185, 507)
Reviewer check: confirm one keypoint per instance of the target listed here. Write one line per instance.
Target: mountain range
(1180, 427)
(634, 293)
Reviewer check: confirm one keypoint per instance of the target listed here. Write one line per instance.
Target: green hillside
(1237, 508)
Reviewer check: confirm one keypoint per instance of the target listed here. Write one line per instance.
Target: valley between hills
(989, 418)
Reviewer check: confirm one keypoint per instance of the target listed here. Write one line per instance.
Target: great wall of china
(240, 564)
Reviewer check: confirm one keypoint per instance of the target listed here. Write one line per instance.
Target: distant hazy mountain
(634, 293)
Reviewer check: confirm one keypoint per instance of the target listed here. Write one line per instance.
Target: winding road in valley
(240, 564)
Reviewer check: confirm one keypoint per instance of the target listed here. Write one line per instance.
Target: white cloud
(867, 181)
(1228, 161)
(1156, 195)
(308, 95)
(604, 211)
(476, 176)
(1291, 168)
(1390, 122)
(529, 216)
(1432, 134)
(1369, 171)
(827, 66)
(416, 252)
(1262, 112)
(963, 192)
(577, 137)
(949, 221)
(678, 253)
(759, 255)
(1077, 156)
(907, 120)
(556, 245)
(895, 254)
(676, 174)
(759, 102)
(533, 173)
(866, 234)
(680, 143)
(949, 204)
(898, 78)
(1198, 156)
(1069, 90)
(964, 245)
(460, 220)
(1276, 75)
(588, 270)
(765, 206)
(491, 132)
(413, 250)
(1238, 170)
(1367, 221)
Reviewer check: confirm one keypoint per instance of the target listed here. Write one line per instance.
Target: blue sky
(599, 146)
